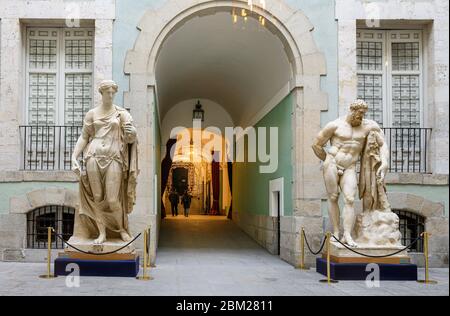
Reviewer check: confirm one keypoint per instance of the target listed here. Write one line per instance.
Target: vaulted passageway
(235, 64)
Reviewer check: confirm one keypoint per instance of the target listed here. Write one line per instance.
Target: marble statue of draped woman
(108, 184)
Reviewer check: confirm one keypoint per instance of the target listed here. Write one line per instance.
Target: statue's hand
(130, 132)
(76, 167)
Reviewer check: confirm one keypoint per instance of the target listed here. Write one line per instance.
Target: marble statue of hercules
(347, 137)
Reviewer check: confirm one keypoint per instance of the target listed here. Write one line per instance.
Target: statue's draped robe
(107, 132)
(377, 225)
(371, 191)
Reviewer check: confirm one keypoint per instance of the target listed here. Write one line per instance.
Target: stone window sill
(38, 176)
(417, 178)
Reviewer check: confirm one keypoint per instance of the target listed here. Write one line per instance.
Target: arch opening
(244, 103)
(237, 63)
(240, 69)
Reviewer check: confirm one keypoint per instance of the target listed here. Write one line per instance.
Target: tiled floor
(209, 256)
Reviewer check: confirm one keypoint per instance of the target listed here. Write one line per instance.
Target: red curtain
(230, 180)
(215, 172)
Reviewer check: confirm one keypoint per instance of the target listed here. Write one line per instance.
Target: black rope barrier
(94, 253)
(315, 253)
(373, 256)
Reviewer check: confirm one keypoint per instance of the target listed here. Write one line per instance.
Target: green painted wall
(250, 187)
(10, 189)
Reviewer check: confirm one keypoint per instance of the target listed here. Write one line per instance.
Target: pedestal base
(357, 271)
(113, 245)
(340, 254)
(99, 268)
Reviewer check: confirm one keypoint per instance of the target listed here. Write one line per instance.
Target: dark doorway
(277, 197)
(180, 180)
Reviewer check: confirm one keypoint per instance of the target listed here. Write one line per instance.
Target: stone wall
(263, 229)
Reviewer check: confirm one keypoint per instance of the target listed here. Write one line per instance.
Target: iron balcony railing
(409, 149)
(51, 147)
(48, 147)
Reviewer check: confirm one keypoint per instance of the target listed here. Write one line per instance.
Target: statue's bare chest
(347, 133)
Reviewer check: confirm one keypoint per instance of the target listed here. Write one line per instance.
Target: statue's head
(108, 89)
(358, 110)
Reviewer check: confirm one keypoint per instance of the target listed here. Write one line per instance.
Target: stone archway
(23, 204)
(308, 65)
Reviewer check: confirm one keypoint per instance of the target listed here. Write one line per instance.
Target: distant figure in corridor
(186, 199)
(174, 199)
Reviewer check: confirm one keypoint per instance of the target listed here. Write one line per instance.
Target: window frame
(419, 224)
(60, 72)
(388, 72)
(70, 71)
(58, 212)
(360, 33)
(29, 71)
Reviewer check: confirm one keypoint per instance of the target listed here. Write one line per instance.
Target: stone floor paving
(204, 256)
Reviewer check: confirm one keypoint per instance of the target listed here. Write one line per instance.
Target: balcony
(46, 148)
(409, 149)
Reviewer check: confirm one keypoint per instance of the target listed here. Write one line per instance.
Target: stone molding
(416, 204)
(417, 178)
(25, 203)
(37, 176)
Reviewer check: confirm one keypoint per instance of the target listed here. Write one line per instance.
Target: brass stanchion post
(149, 261)
(427, 280)
(144, 276)
(148, 251)
(328, 279)
(302, 246)
(49, 274)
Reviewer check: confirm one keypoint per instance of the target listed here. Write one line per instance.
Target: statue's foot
(348, 240)
(100, 240)
(125, 236)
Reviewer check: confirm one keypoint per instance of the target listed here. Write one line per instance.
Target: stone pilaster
(103, 54)
(10, 100)
(347, 71)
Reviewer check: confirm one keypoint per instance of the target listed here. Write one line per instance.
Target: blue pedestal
(100, 268)
(357, 271)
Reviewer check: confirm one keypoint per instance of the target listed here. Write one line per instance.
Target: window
(390, 76)
(59, 67)
(61, 218)
(59, 75)
(411, 227)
